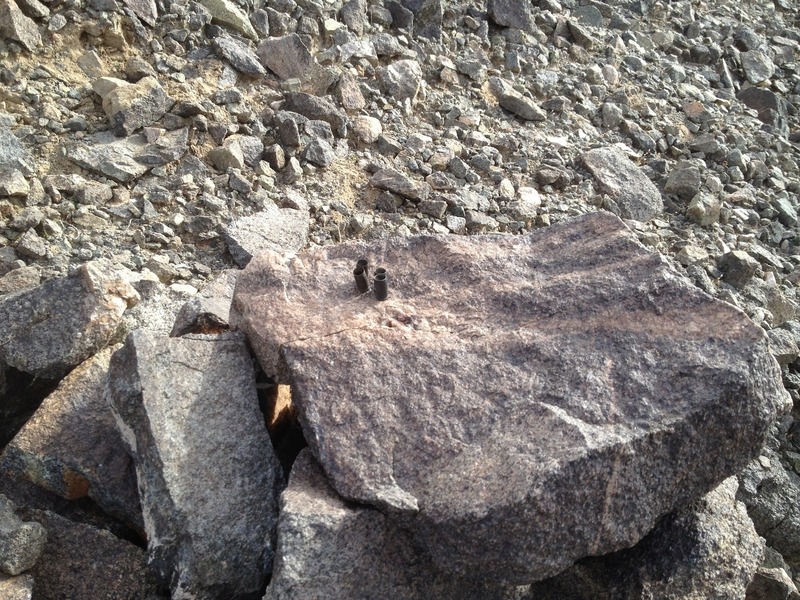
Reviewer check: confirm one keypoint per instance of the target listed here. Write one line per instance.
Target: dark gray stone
(757, 66)
(708, 549)
(116, 158)
(71, 446)
(319, 152)
(208, 479)
(240, 56)
(737, 267)
(354, 15)
(397, 183)
(427, 21)
(81, 561)
(331, 549)
(512, 13)
(168, 147)
(684, 181)
(313, 107)
(770, 106)
(634, 195)
(504, 373)
(13, 155)
(49, 330)
(21, 542)
(283, 230)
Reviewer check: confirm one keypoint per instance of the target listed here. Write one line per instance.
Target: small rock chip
(684, 181)
(136, 105)
(240, 56)
(704, 209)
(13, 183)
(737, 267)
(227, 13)
(229, 156)
(21, 543)
(319, 152)
(401, 80)
(524, 108)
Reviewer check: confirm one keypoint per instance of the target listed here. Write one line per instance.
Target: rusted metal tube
(380, 284)
(361, 280)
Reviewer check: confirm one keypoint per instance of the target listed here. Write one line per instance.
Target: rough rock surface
(283, 230)
(596, 364)
(288, 57)
(81, 561)
(131, 107)
(331, 549)
(208, 479)
(16, 588)
(21, 542)
(72, 448)
(16, 26)
(50, 329)
(634, 196)
(208, 311)
(708, 549)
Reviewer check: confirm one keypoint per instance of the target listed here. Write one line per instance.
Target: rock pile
(149, 149)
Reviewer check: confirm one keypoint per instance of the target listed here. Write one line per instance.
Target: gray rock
(49, 330)
(146, 10)
(588, 15)
(684, 181)
(427, 21)
(289, 58)
(240, 56)
(536, 363)
(737, 267)
(397, 183)
(319, 109)
(633, 193)
(81, 561)
(348, 93)
(208, 311)
(228, 156)
(283, 230)
(783, 346)
(13, 183)
(402, 17)
(319, 152)
(71, 446)
(227, 13)
(354, 15)
(105, 154)
(20, 279)
(787, 212)
(13, 155)
(21, 543)
(402, 80)
(709, 549)
(770, 106)
(14, 25)
(167, 147)
(524, 108)
(771, 494)
(29, 244)
(136, 105)
(330, 549)
(704, 209)
(772, 584)
(16, 588)
(511, 13)
(757, 66)
(208, 479)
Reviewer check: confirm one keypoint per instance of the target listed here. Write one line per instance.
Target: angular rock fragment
(13, 183)
(208, 479)
(108, 155)
(50, 329)
(14, 25)
(81, 561)
(334, 550)
(283, 230)
(240, 56)
(319, 152)
(536, 364)
(13, 155)
(511, 13)
(427, 17)
(523, 107)
(318, 109)
(131, 107)
(634, 195)
(146, 10)
(397, 183)
(21, 542)
(208, 311)
(72, 448)
(709, 549)
(757, 66)
(402, 80)
(737, 267)
(770, 106)
(684, 181)
(227, 13)
(16, 588)
(288, 57)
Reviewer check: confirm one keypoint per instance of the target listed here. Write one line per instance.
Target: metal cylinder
(364, 264)
(361, 280)
(380, 284)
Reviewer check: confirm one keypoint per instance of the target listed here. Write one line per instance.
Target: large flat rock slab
(208, 479)
(518, 402)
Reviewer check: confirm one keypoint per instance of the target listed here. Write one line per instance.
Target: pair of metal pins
(380, 283)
